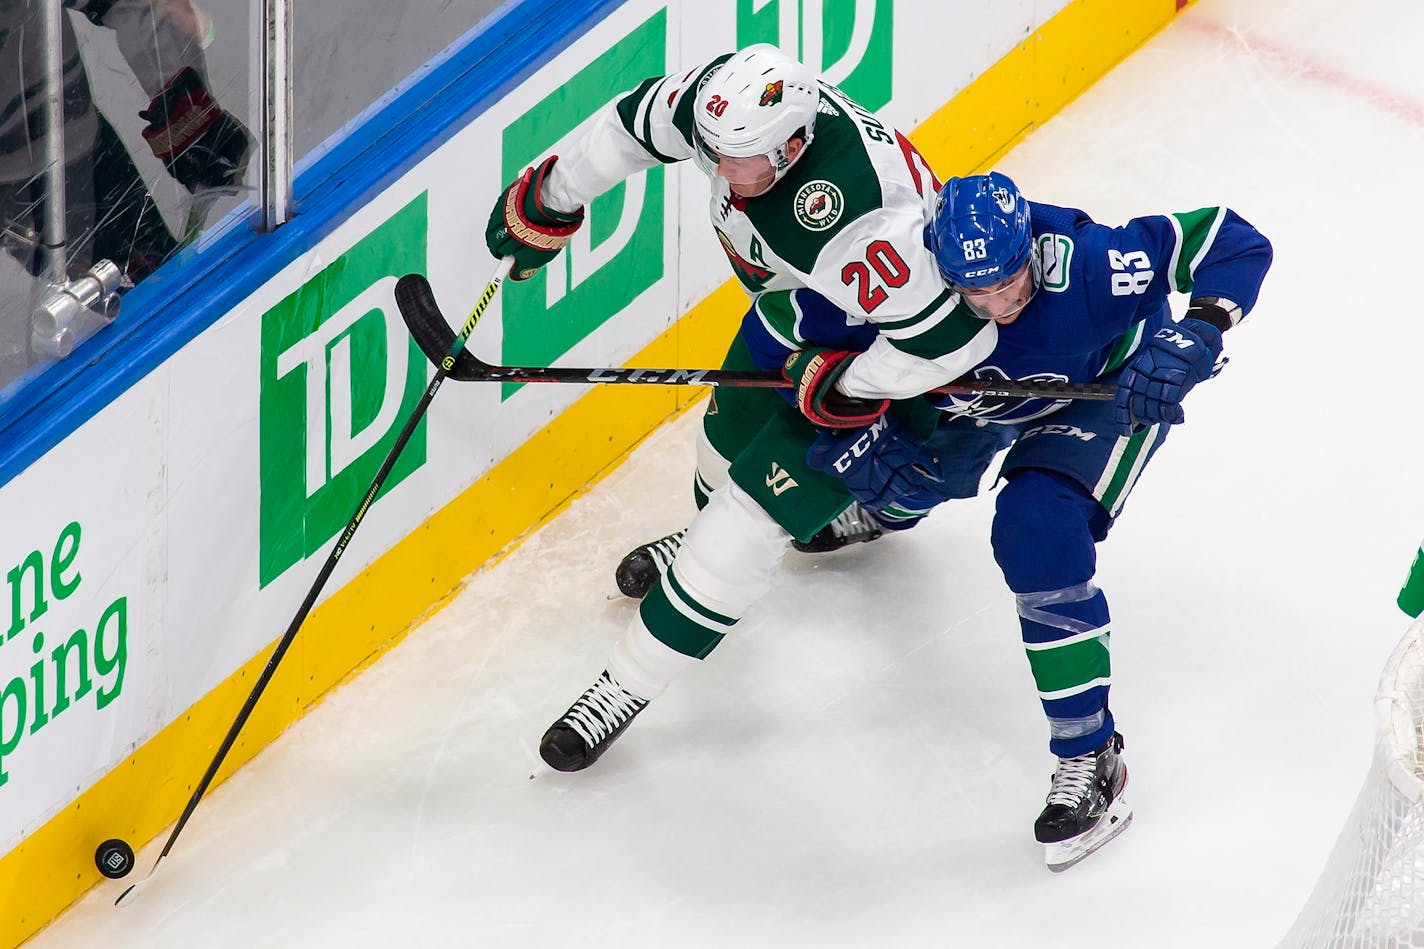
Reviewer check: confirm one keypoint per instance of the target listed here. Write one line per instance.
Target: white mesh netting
(1371, 892)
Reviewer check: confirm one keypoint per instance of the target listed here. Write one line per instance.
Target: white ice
(861, 762)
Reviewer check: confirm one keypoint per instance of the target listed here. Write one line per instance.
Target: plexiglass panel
(129, 139)
(124, 133)
(349, 53)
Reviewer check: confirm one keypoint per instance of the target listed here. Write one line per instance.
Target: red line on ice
(1390, 100)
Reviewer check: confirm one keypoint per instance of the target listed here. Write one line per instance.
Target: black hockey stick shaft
(753, 379)
(432, 334)
(403, 287)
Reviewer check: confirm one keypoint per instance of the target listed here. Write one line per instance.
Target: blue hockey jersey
(1102, 291)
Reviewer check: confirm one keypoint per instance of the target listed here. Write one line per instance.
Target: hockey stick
(443, 366)
(433, 335)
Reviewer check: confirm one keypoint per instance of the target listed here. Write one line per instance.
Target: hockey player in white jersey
(819, 206)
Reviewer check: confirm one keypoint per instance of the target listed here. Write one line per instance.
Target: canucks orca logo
(771, 95)
(1055, 255)
(1006, 408)
(1003, 199)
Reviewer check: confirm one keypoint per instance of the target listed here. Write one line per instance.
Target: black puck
(114, 858)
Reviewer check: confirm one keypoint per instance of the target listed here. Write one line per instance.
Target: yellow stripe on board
(1035, 80)
(54, 866)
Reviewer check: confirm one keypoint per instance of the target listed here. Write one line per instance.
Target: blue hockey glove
(883, 466)
(1152, 387)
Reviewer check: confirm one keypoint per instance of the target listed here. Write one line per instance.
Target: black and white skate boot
(644, 566)
(590, 725)
(1086, 807)
(851, 526)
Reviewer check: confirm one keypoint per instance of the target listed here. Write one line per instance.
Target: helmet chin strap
(781, 163)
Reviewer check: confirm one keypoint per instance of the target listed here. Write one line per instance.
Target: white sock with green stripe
(730, 554)
(643, 665)
(729, 557)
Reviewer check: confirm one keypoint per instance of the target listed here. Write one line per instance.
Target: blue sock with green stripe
(1065, 633)
(1045, 528)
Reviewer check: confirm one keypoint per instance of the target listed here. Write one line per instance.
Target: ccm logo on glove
(1175, 338)
(861, 445)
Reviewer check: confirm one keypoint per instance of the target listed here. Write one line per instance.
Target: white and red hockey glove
(523, 227)
(814, 373)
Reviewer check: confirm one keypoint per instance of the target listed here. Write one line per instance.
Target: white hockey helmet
(752, 105)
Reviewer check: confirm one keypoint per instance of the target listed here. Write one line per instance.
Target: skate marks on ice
(819, 783)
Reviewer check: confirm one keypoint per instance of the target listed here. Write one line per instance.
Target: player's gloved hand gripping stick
(1151, 389)
(443, 366)
(814, 372)
(522, 227)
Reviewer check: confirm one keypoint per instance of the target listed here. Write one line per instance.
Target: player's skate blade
(1066, 853)
(1082, 810)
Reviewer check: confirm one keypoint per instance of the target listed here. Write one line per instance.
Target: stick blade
(127, 897)
(427, 325)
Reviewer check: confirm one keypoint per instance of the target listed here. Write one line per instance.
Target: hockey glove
(200, 144)
(522, 227)
(814, 373)
(1152, 387)
(884, 467)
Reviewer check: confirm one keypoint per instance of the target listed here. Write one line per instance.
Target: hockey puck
(114, 858)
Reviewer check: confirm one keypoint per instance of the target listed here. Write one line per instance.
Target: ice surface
(861, 762)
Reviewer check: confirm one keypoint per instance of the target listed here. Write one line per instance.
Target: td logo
(340, 375)
(618, 253)
(848, 41)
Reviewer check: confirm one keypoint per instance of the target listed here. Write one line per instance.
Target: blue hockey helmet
(981, 234)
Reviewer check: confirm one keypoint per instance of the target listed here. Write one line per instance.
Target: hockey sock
(1065, 634)
(642, 664)
(729, 557)
(1045, 527)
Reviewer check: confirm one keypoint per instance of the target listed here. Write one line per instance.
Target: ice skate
(590, 725)
(1086, 807)
(851, 526)
(644, 566)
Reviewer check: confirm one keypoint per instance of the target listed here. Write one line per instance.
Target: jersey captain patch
(819, 205)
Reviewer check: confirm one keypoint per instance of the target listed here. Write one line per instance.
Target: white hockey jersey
(847, 221)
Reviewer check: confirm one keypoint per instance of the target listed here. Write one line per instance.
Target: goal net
(1371, 892)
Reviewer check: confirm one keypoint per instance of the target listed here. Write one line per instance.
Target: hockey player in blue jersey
(1076, 301)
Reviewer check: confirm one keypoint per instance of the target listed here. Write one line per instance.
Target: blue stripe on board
(169, 309)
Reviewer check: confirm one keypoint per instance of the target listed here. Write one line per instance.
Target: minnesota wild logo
(752, 276)
(771, 95)
(818, 205)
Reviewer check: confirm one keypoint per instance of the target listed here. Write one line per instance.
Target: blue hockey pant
(1068, 476)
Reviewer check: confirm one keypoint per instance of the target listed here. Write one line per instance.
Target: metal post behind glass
(68, 310)
(275, 125)
(53, 246)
